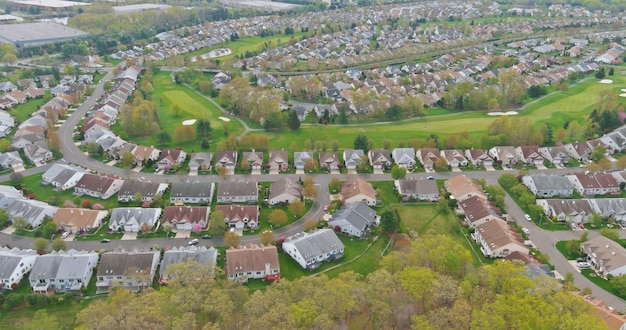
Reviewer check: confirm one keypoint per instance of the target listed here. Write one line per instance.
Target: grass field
(249, 44)
(64, 312)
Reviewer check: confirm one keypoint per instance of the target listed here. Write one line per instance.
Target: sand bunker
(623, 95)
(499, 113)
(189, 122)
(224, 119)
(606, 81)
(213, 54)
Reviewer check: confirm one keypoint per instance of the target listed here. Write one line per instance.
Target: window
(62, 281)
(119, 277)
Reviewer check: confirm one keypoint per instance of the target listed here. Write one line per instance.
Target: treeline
(426, 284)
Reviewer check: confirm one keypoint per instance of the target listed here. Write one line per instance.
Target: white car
(193, 242)
(527, 217)
(583, 264)
(526, 231)
(65, 234)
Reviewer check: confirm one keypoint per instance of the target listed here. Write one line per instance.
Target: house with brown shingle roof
(75, 220)
(329, 161)
(278, 160)
(285, 190)
(428, 157)
(184, 217)
(417, 189)
(461, 188)
(171, 157)
(478, 211)
(498, 239)
(358, 190)
(606, 256)
(454, 158)
(132, 270)
(529, 155)
(252, 262)
(254, 159)
(506, 156)
(479, 157)
(226, 158)
(238, 191)
(581, 151)
(588, 184)
(97, 186)
(379, 158)
(240, 216)
(143, 154)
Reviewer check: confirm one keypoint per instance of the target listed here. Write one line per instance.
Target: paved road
(544, 240)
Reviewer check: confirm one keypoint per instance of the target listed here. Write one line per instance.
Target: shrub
(97, 206)
(86, 204)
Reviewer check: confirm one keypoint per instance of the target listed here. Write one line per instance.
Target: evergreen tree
(292, 121)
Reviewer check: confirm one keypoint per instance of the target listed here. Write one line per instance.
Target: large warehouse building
(34, 34)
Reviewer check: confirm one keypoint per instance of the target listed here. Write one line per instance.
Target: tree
(19, 223)
(310, 224)
(610, 233)
(600, 74)
(311, 165)
(163, 138)
(4, 218)
(58, 244)
(618, 283)
(128, 160)
(292, 121)
(231, 239)
(44, 321)
(297, 208)
(361, 143)
(441, 164)
(398, 172)
(389, 221)
(9, 59)
(309, 192)
(223, 172)
(54, 141)
(334, 185)
(205, 143)
(266, 237)
(584, 237)
(175, 108)
(48, 229)
(277, 218)
(598, 152)
(572, 246)
(40, 244)
(203, 127)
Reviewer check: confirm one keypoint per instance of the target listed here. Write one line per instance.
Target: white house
(63, 270)
(63, 176)
(588, 184)
(14, 263)
(497, 239)
(131, 219)
(33, 211)
(354, 219)
(605, 256)
(252, 262)
(238, 192)
(548, 185)
(310, 249)
(404, 157)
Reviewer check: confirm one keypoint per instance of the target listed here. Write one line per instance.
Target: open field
(65, 314)
(249, 44)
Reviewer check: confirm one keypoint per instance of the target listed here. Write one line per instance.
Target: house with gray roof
(33, 211)
(63, 270)
(192, 192)
(131, 219)
(6, 123)
(425, 190)
(200, 254)
(556, 155)
(278, 160)
(605, 256)
(63, 176)
(254, 159)
(238, 191)
(299, 159)
(201, 161)
(226, 158)
(285, 190)
(352, 158)
(132, 270)
(11, 160)
(147, 190)
(38, 152)
(354, 219)
(309, 250)
(8, 194)
(21, 141)
(404, 157)
(568, 210)
(548, 185)
(607, 207)
(14, 263)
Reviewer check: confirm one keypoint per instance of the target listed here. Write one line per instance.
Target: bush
(31, 299)
(14, 300)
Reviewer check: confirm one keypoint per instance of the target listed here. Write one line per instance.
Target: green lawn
(65, 313)
(23, 111)
(249, 44)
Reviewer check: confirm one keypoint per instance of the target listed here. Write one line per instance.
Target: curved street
(544, 240)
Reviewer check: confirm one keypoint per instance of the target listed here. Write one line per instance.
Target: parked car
(430, 177)
(581, 226)
(526, 231)
(527, 217)
(325, 207)
(105, 240)
(583, 264)
(574, 226)
(65, 234)
(207, 236)
(193, 242)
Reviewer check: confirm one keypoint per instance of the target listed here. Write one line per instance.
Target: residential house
(200, 254)
(498, 239)
(548, 185)
(478, 211)
(201, 161)
(144, 154)
(278, 160)
(226, 158)
(171, 157)
(285, 191)
(63, 270)
(38, 152)
(609, 207)
(428, 157)
(76, 220)
(8, 194)
(132, 270)
(309, 250)
(7, 86)
(588, 184)
(567, 210)
(358, 190)
(556, 155)
(192, 192)
(11, 160)
(147, 190)
(614, 142)
(299, 159)
(581, 151)
(238, 192)
(133, 219)
(404, 157)
(529, 155)
(63, 176)
(14, 263)
(505, 156)
(479, 157)
(33, 211)
(6, 123)
(21, 141)
(425, 190)
(329, 161)
(605, 256)
(98, 186)
(240, 216)
(254, 159)
(355, 219)
(380, 159)
(461, 188)
(186, 217)
(454, 158)
(252, 262)
(352, 158)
